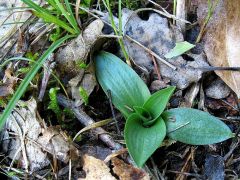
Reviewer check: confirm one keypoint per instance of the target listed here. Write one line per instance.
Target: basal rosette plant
(147, 124)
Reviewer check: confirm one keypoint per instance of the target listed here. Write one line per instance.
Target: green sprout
(147, 124)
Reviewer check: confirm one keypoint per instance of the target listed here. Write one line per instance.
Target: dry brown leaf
(55, 142)
(222, 39)
(86, 81)
(8, 83)
(96, 169)
(5, 90)
(126, 171)
(25, 140)
(24, 122)
(76, 52)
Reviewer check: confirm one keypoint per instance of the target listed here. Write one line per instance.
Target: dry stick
(86, 121)
(113, 113)
(47, 71)
(151, 52)
(156, 4)
(184, 173)
(168, 15)
(233, 146)
(212, 68)
(181, 14)
(156, 68)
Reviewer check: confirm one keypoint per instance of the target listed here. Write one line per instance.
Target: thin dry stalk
(87, 121)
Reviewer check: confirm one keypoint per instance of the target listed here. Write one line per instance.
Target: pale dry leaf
(87, 82)
(125, 171)
(24, 123)
(161, 39)
(6, 88)
(56, 143)
(222, 39)
(23, 129)
(69, 57)
(96, 169)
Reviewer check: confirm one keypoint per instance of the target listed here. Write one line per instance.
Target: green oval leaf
(126, 87)
(179, 49)
(141, 141)
(158, 101)
(195, 127)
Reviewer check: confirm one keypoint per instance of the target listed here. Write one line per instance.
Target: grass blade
(68, 15)
(47, 16)
(72, 17)
(30, 75)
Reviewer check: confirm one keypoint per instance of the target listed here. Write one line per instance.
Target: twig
(156, 68)
(156, 4)
(42, 33)
(113, 113)
(168, 15)
(78, 2)
(184, 173)
(156, 171)
(47, 70)
(233, 146)
(70, 169)
(151, 52)
(212, 68)
(86, 121)
(181, 14)
(234, 161)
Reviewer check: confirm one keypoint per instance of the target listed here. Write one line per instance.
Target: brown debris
(126, 171)
(69, 57)
(96, 169)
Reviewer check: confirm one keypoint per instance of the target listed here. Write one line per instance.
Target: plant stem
(211, 8)
(117, 31)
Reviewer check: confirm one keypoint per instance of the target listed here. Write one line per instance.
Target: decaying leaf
(160, 38)
(86, 81)
(55, 142)
(96, 169)
(6, 88)
(126, 171)
(25, 140)
(22, 146)
(7, 28)
(71, 56)
(222, 39)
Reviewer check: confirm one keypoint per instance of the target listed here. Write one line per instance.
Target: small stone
(217, 90)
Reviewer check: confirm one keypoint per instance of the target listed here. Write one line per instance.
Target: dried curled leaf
(126, 171)
(222, 39)
(31, 143)
(75, 53)
(96, 169)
